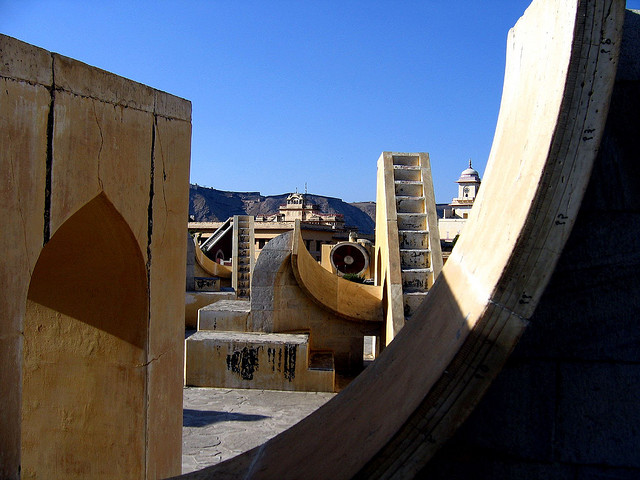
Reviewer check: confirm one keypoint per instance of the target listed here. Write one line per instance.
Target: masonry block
(253, 360)
(225, 315)
(93, 276)
(194, 301)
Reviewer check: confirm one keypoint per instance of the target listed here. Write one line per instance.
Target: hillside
(211, 205)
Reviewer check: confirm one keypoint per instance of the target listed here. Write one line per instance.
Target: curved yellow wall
(212, 268)
(347, 299)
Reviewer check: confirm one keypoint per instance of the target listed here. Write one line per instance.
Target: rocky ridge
(211, 205)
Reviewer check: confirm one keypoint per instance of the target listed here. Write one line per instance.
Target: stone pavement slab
(220, 423)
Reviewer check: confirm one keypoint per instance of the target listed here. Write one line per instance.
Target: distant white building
(297, 208)
(453, 216)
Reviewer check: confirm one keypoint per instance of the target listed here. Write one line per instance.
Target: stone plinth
(225, 315)
(274, 361)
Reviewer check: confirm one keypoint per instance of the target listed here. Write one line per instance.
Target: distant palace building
(317, 228)
(453, 216)
(297, 208)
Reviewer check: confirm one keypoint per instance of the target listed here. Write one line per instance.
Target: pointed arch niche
(85, 336)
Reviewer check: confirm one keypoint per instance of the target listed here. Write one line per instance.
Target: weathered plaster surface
(72, 135)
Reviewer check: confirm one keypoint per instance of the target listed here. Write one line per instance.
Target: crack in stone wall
(49, 160)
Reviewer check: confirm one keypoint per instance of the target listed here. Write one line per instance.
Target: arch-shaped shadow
(92, 270)
(85, 335)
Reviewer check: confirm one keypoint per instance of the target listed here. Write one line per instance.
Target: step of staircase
(408, 188)
(404, 173)
(414, 258)
(407, 160)
(273, 361)
(412, 221)
(412, 301)
(409, 204)
(414, 238)
(225, 315)
(416, 279)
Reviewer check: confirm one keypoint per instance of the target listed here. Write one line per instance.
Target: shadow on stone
(202, 418)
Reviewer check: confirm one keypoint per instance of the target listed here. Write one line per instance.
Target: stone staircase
(413, 231)
(243, 255)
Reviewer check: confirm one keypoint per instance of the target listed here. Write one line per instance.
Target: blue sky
(292, 92)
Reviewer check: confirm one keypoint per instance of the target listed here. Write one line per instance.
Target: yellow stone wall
(94, 208)
(387, 248)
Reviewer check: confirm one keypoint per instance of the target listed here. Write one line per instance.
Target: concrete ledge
(194, 301)
(21, 61)
(253, 337)
(82, 79)
(225, 315)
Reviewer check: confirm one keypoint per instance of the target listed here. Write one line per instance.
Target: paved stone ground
(220, 423)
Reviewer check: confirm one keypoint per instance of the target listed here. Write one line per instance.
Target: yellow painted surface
(196, 300)
(168, 270)
(95, 143)
(388, 273)
(253, 360)
(85, 341)
(24, 109)
(91, 339)
(295, 311)
(396, 200)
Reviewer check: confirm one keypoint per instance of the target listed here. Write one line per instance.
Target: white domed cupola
(468, 185)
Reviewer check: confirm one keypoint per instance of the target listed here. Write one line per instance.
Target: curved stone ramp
(212, 268)
(353, 301)
(561, 65)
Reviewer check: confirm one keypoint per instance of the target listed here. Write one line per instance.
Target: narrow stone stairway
(413, 231)
(243, 255)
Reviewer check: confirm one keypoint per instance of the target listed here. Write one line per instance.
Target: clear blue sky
(288, 92)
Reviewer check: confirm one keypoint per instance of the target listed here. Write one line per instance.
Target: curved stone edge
(270, 263)
(349, 300)
(479, 305)
(563, 181)
(208, 265)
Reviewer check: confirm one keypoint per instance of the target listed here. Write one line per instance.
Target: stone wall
(93, 203)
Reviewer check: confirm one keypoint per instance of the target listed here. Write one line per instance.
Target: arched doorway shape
(85, 336)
